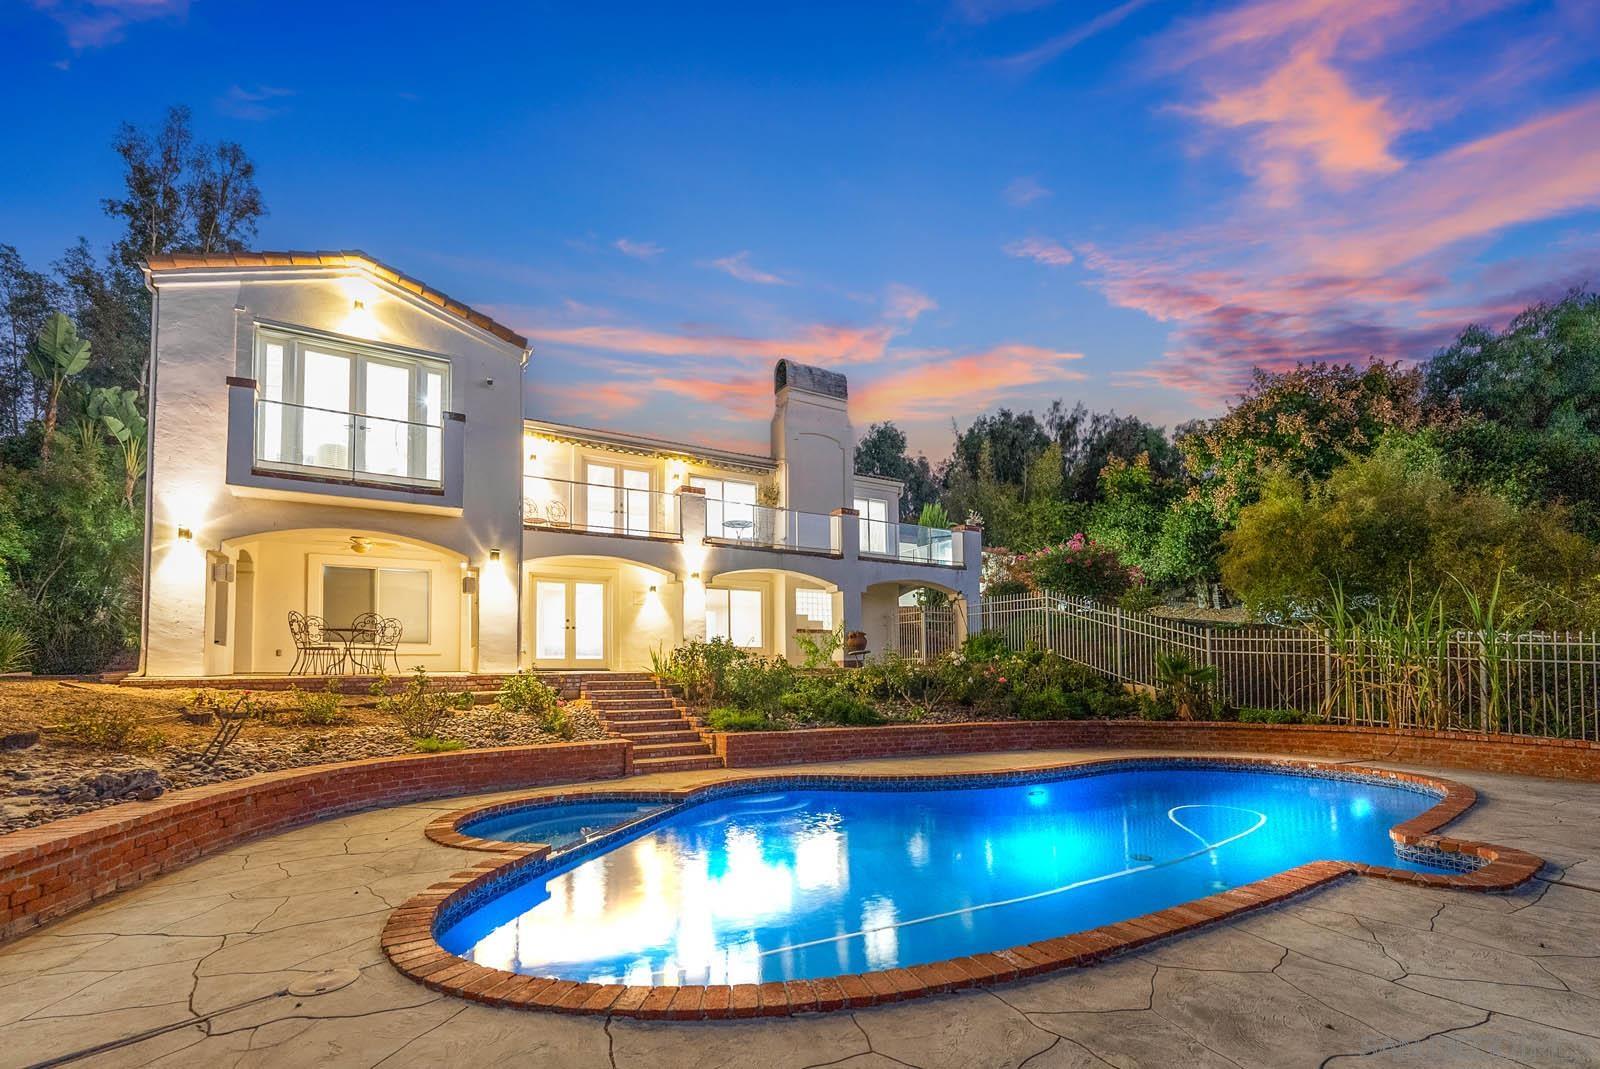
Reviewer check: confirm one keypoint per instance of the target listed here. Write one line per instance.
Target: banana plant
(57, 354)
(119, 410)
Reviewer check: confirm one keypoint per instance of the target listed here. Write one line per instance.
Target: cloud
(1040, 250)
(1021, 192)
(818, 343)
(961, 385)
(96, 23)
(639, 250)
(1062, 43)
(738, 265)
(905, 304)
(252, 104)
(741, 396)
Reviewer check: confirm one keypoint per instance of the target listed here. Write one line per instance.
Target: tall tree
(56, 356)
(26, 299)
(1013, 440)
(882, 452)
(1091, 440)
(1529, 401)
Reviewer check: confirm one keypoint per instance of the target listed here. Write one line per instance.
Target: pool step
(654, 720)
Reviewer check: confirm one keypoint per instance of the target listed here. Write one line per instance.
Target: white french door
(617, 499)
(569, 623)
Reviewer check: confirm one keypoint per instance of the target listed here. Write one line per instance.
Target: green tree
(122, 414)
(882, 452)
(1529, 404)
(57, 354)
(1132, 507)
(27, 298)
(1303, 423)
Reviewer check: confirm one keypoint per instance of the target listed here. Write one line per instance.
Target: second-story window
(874, 524)
(349, 410)
(730, 506)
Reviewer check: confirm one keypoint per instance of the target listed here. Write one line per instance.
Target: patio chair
(374, 637)
(315, 652)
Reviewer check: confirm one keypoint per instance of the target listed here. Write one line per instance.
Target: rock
(19, 740)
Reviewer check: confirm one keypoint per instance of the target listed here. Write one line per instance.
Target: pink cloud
(961, 385)
(906, 304)
(743, 396)
(1021, 192)
(739, 266)
(1040, 250)
(816, 343)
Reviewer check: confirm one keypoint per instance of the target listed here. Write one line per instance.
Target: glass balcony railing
(909, 542)
(347, 446)
(599, 508)
(741, 523)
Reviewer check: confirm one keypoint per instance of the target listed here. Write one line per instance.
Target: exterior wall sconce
(494, 554)
(185, 535)
(652, 588)
(694, 575)
(359, 305)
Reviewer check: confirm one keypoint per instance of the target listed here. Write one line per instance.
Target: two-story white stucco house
(329, 437)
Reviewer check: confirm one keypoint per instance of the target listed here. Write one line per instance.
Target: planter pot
(855, 642)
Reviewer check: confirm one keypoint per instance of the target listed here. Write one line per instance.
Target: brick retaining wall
(1522, 754)
(49, 871)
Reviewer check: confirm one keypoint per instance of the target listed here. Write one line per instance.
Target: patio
(1363, 969)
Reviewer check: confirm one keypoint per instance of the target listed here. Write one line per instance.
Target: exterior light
(694, 575)
(359, 305)
(494, 554)
(185, 535)
(652, 588)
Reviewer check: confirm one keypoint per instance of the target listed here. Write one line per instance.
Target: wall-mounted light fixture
(359, 305)
(185, 535)
(694, 575)
(652, 588)
(494, 554)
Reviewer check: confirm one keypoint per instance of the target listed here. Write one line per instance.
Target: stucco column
(847, 533)
(692, 520)
(499, 597)
(970, 548)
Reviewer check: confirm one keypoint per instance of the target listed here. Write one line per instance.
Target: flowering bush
(1080, 566)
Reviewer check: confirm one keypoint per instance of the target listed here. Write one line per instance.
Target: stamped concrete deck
(1362, 972)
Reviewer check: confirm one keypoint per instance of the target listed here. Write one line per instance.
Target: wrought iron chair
(372, 638)
(314, 651)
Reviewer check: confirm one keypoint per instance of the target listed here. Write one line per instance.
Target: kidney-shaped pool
(804, 883)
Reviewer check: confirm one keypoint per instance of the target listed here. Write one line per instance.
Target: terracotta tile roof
(179, 261)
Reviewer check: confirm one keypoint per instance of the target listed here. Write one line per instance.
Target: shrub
(819, 649)
(1141, 598)
(318, 708)
(16, 649)
(1249, 715)
(1051, 702)
(434, 744)
(108, 725)
(985, 647)
(698, 667)
(823, 701)
(1184, 686)
(757, 684)
(1080, 567)
(420, 708)
(526, 693)
(726, 719)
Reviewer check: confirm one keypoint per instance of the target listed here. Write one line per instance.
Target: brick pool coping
(410, 944)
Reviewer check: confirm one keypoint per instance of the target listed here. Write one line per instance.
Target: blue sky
(961, 205)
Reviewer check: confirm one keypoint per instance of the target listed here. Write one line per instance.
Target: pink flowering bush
(1081, 567)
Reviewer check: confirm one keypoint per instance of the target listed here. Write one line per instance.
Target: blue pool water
(559, 825)
(799, 884)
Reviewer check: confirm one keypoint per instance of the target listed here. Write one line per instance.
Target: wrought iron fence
(927, 633)
(1534, 683)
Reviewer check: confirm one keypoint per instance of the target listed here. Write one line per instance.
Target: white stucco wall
(204, 323)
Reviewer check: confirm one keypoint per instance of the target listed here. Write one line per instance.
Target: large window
(874, 524)
(618, 499)
(345, 409)
(814, 606)
(735, 615)
(730, 506)
(402, 593)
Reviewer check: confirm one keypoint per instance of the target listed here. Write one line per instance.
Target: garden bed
(59, 776)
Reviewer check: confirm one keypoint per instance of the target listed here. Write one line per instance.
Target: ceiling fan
(362, 544)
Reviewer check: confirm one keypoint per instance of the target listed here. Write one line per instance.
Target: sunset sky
(962, 204)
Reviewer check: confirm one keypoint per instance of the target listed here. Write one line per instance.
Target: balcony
(599, 508)
(911, 543)
(281, 448)
(737, 523)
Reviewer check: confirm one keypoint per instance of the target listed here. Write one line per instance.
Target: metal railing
(599, 508)
(1531, 683)
(347, 446)
(741, 523)
(927, 633)
(912, 542)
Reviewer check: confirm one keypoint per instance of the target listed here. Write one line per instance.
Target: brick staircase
(633, 706)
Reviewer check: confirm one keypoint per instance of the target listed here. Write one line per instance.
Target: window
(402, 593)
(730, 506)
(816, 606)
(735, 615)
(337, 408)
(874, 524)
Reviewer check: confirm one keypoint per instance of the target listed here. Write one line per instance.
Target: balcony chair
(314, 651)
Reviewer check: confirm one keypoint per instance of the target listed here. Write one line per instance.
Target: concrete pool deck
(1386, 974)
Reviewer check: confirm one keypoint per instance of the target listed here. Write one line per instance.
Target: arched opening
(598, 613)
(337, 574)
(921, 620)
(771, 610)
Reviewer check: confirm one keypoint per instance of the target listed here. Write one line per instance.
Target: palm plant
(119, 410)
(57, 354)
(16, 649)
(1185, 685)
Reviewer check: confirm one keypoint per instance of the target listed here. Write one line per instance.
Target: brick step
(619, 684)
(647, 765)
(639, 714)
(653, 738)
(634, 724)
(671, 749)
(627, 695)
(657, 710)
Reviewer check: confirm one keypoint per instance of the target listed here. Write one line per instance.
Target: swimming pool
(560, 825)
(767, 885)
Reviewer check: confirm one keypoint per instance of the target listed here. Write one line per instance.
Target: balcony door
(617, 499)
(569, 623)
